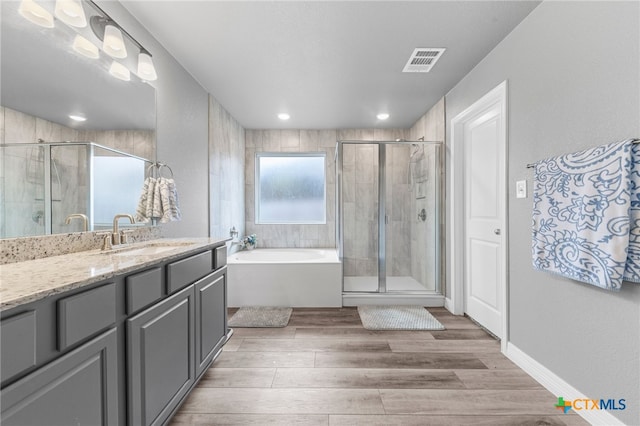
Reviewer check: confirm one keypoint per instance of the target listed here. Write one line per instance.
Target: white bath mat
(261, 316)
(397, 317)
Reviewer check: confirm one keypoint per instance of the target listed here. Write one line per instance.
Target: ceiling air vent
(423, 59)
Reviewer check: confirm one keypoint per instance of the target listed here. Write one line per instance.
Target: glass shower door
(359, 192)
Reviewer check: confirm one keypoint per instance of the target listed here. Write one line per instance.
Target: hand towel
(586, 215)
(143, 213)
(169, 200)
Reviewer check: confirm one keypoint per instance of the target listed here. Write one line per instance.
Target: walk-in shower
(389, 208)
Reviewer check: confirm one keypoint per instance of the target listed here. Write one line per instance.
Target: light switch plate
(521, 189)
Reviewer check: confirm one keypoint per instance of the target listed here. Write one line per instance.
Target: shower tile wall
(431, 126)
(25, 205)
(226, 171)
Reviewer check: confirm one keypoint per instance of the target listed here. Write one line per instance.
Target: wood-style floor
(324, 368)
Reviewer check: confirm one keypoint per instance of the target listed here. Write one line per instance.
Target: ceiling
(329, 64)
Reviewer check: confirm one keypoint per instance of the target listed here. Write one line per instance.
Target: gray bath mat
(397, 317)
(261, 316)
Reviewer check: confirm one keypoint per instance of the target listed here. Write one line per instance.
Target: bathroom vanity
(110, 338)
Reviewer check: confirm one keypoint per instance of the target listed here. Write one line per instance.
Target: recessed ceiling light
(382, 116)
(284, 116)
(76, 117)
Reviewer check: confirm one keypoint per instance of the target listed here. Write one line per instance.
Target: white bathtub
(284, 277)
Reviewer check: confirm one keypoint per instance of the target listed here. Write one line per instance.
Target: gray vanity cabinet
(160, 356)
(79, 388)
(211, 318)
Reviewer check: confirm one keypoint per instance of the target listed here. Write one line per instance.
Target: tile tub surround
(32, 280)
(30, 248)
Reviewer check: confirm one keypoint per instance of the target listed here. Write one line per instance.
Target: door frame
(456, 302)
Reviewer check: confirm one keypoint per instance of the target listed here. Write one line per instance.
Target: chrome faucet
(115, 235)
(84, 218)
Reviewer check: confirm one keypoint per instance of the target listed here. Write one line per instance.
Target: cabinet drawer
(143, 289)
(18, 339)
(220, 257)
(186, 271)
(86, 313)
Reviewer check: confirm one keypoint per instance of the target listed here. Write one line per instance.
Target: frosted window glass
(118, 181)
(290, 188)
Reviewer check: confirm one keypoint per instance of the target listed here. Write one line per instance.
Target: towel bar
(532, 165)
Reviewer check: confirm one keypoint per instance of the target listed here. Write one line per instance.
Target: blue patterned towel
(586, 215)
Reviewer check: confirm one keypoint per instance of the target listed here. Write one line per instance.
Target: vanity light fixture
(113, 44)
(120, 71)
(382, 116)
(35, 13)
(71, 13)
(146, 70)
(76, 117)
(85, 47)
(284, 116)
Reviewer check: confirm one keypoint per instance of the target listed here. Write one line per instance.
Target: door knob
(496, 231)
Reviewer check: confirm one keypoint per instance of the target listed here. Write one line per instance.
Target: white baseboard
(448, 304)
(557, 386)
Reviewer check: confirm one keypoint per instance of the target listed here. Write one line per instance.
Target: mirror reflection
(45, 82)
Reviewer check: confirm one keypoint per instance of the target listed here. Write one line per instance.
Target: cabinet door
(211, 317)
(160, 355)
(80, 388)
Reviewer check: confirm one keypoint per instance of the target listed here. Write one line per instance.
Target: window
(290, 188)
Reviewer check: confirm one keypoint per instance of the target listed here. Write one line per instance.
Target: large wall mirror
(44, 83)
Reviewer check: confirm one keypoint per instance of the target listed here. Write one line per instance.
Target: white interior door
(484, 135)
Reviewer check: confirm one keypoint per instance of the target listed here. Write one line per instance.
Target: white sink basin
(151, 249)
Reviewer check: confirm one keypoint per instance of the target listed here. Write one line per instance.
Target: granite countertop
(31, 280)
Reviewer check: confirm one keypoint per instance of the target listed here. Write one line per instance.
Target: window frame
(317, 154)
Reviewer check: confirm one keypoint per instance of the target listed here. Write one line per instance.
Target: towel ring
(161, 166)
(158, 169)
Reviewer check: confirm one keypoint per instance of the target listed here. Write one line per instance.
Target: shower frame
(382, 216)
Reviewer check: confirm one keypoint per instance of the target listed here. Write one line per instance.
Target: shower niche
(389, 206)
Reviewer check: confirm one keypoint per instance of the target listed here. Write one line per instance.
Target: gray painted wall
(573, 83)
(182, 130)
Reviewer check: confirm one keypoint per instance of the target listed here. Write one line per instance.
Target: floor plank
(497, 379)
(360, 333)
(250, 419)
(264, 359)
(238, 378)
(472, 420)
(315, 345)
(265, 333)
(398, 360)
(456, 402)
(461, 334)
(471, 346)
(283, 401)
(366, 378)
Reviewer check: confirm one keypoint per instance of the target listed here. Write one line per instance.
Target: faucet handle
(106, 241)
(124, 235)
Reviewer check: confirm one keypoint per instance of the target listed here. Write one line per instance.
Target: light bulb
(113, 43)
(284, 116)
(120, 71)
(71, 13)
(85, 47)
(35, 13)
(382, 116)
(146, 70)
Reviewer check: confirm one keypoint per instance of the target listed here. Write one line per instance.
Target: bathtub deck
(324, 368)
